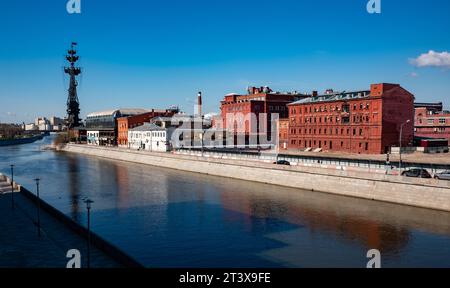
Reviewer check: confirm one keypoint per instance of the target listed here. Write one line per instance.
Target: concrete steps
(5, 187)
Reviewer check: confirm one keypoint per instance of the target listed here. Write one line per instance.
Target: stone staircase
(5, 185)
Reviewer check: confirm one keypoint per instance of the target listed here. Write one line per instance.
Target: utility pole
(12, 185)
(400, 142)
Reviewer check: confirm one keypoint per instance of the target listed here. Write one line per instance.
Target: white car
(443, 175)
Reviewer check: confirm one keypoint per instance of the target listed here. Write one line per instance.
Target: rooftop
(148, 127)
(118, 112)
(335, 96)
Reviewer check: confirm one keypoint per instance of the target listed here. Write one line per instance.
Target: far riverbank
(425, 193)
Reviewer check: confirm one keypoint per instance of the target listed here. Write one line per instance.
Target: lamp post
(38, 207)
(12, 185)
(88, 207)
(202, 135)
(400, 141)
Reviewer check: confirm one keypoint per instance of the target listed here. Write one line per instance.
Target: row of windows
(326, 108)
(432, 121)
(326, 144)
(325, 131)
(331, 119)
(92, 134)
(277, 108)
(440, 130)
(148, 134)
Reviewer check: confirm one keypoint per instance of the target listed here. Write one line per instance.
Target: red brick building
(241, 113)
(431, 123)
(365, 122)
(130, 122)
(283, 134)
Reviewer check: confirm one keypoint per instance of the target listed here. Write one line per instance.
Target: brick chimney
(199, 105)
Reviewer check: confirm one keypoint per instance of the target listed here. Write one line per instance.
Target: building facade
(283, 134)
(150, 137)
(102, 128)
(364, 122)
(124, 124)
(432, 123)
(251, 114)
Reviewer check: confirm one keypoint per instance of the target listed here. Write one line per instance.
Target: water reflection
(168, 218)
(74, 185)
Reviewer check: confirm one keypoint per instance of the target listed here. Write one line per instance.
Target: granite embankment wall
(425, 193)
(96, 240)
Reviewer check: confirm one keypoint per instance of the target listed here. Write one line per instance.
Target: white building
(30, 127)
(93, 138)
(43, 124)
(150, 137)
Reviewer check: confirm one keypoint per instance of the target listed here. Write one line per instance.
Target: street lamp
(88, 207)
(38, 207)
(12, 185)
(400, 140)
(202, 135)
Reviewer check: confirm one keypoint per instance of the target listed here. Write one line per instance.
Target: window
(431, 121)
(360, 132)
(442, 121)
(346, 108)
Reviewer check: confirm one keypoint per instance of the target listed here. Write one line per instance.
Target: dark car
(417, 173)
(442, 176)
(282, 162)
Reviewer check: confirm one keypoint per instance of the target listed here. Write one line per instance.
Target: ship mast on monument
(73, 105)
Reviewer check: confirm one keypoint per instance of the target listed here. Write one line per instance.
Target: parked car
(282, 162)
(443, 175)
(417, 173)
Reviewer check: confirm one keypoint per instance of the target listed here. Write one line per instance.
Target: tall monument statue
(73, 105)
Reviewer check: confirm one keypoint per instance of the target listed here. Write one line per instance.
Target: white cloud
(413, 75)
(432, 59)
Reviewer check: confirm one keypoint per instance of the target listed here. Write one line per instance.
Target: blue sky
(145, 53)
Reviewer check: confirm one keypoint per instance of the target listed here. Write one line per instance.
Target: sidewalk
(20, 246)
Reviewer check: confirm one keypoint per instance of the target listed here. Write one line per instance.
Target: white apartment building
(150, 137)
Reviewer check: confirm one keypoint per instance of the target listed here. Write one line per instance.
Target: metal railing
(310, 160)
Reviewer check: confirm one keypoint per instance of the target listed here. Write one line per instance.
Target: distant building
(30, 127)
(150, 137)
(431, 107)
(283, 137)
(241, 113)
(431, 122)
(56, 123)
(102, 128)
(365, 122)
(191, 131)
(45, 125)
(124, 124)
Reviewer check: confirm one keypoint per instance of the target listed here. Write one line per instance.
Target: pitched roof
(148, 127)
(334, 97)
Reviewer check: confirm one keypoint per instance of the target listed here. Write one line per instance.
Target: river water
(169, 218)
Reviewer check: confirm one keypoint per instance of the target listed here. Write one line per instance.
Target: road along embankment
(425, 193)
